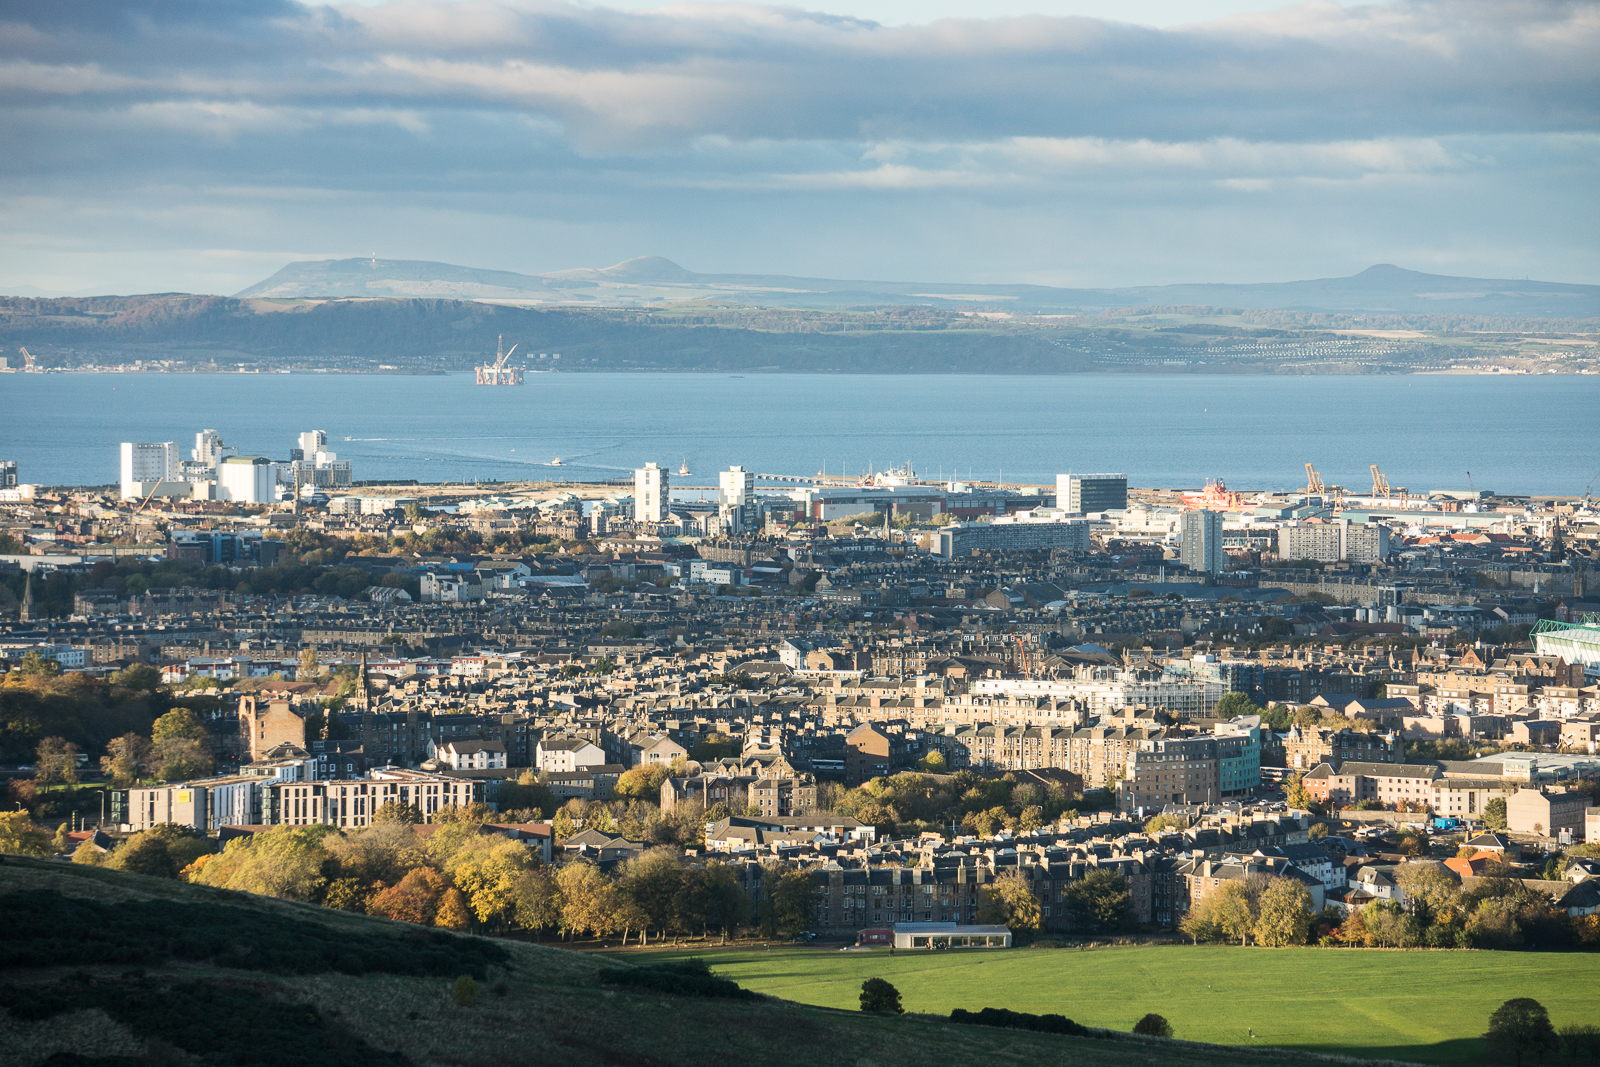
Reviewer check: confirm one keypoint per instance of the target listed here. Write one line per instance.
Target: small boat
(684, 469)
(556, 462)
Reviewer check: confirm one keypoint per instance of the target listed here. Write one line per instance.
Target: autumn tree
(1285, 914)
(19, 837)
(127, 759)
(56, 761)
(414, 899)
(588, 900)
(538, 901)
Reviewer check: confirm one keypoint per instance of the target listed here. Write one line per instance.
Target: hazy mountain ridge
(1384, 288)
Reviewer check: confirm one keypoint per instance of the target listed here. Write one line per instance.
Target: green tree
(1099, 900)
(1285, 914)
(465, 991)
(1164, 822)
(145, 853)
(179, 724)
(1153, 1025)
(1581, 1041)
(651, 882)
(19, 837)
(1521, 1025)
(88, 853)
(1494, 816)
(727, 907)
(789, 900)
(396, 812)
(34, 665)
(137, 678)
(1233, 705)
(880, 998)
(1009, 901)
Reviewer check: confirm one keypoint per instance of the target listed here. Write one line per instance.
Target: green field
(1427, 1006)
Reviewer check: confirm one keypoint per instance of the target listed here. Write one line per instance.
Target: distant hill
(1382, 289)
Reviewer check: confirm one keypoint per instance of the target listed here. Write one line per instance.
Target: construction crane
(1314, 486)
(27, 361)
(159, 483)
(1027, 669)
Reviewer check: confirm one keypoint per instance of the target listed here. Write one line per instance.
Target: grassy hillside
(1424, 1006)
(200, 976)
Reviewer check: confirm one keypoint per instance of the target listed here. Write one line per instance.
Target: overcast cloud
(200, 145)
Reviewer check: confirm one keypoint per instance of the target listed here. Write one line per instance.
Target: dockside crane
(1589, 489)
(27, 361)
(1314, 486)
(1381, 487)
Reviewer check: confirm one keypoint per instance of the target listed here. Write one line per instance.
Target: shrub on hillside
(1020, 1020)
(683, 978)
(881, 998)
(1153, 1025)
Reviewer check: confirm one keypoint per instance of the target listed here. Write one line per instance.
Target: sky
(200, 145)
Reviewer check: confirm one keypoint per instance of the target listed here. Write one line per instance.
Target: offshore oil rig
(497, 373)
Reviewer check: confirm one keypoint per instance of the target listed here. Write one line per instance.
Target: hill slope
(183, 1005)
(1380, 289)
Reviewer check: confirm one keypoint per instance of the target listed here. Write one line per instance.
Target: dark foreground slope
(106, 969)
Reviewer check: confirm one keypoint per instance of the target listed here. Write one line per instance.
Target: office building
(147, 464)
(1087, 494)
(245, 548)
(1201, 545)
(651, 490)
(247, 480)
(8, 474)
(1331, 542)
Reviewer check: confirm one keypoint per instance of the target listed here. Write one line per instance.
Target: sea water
(1514, 434)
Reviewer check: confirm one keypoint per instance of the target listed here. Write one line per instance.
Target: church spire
(26, 614)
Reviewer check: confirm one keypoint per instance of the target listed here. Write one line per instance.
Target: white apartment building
(146, 464)
(651, 492)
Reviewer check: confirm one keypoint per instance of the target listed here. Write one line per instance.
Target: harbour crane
(1380, 484)
(27, 361)
(1589, 489)
(1314, 486)
(1470, 485)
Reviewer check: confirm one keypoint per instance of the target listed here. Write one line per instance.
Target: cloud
(622, 81)
(784, 136)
